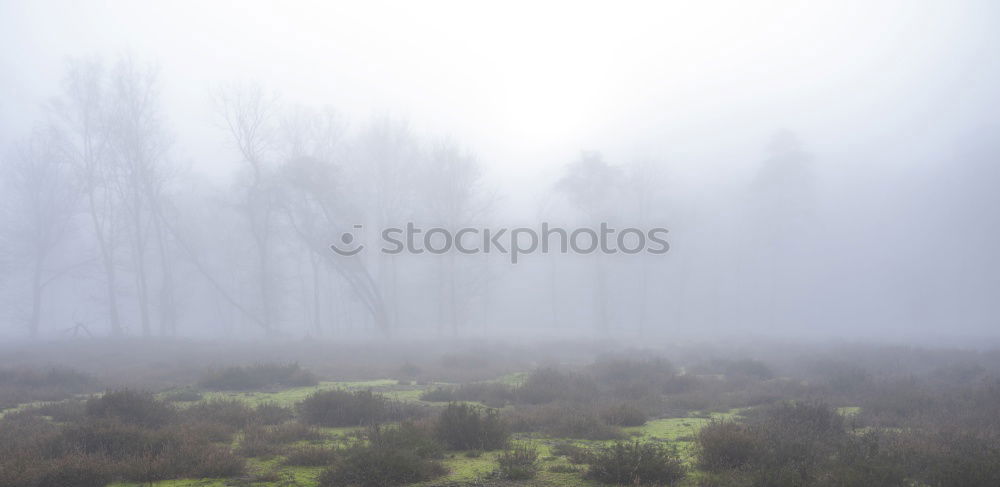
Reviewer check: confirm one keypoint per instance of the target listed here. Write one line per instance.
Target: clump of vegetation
(631, 378)
(183, 395)
(272, 413)
(493, 394)
(575, 453)
(468, 427)
(562, 468)
(636, 463)
(548, 385)
(101, 449)
(260, 440)
(23, 385)
(366, 466)
(76, 469)
(130, 406)
(258, 377)
(231, 413)
(338, 407)
(724, 445)
(793, 440)
(623, 414)
(417, 437)
(518, 463)
(408, 372)
(805, 443)
(68, 411)
(563, 420)
(439, 394)
(740, 368)
(681, 383)
(310, 456)
(395, 456)
(255, 442)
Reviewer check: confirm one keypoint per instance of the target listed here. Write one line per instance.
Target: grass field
(464, 468)
(718, 422)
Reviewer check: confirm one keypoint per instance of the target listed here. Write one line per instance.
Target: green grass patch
(848, 411)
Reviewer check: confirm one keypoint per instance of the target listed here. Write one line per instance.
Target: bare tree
(591, 185)
(248, 113)
(644, 179)
(451, 188)
(81, 110)
(39, 211)
(310, 140)
(383, 165)
(317, 214)
(138, 145)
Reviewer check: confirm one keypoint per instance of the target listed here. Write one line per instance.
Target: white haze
(894, 104)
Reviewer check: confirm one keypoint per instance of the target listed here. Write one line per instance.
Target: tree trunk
(36, 298)
(107, 261)
(168, 310)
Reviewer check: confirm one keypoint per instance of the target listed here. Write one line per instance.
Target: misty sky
(894, 105)
(528, 86)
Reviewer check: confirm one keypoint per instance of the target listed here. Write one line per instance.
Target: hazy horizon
(825, 170)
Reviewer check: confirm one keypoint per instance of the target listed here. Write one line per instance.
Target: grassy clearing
(288, 397)
(463, 467)
(514, 379)
(849, 411)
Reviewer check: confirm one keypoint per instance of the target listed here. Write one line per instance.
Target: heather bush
(24, 385)
(272, 413)
(390, 456)
(723, 445)
(575, 453)
(229, 412)
(130, 406)
(493, 394)
(338, 407)
(467, 427)
(562, 420)
(416, 437)
(517, 463)
(636, 463)
(623, 414)
(183, 395)
(263, 440)
(548, 385)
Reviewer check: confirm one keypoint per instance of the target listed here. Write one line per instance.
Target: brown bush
(130, 406)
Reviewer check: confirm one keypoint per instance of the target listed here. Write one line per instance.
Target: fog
(822, 170)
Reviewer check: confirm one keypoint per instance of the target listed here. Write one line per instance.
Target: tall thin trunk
(394, 289)
(261, 239)
(487, 294)
(168, 310)
(441, 297)
(452, 299)
(553, 293)
(139, 248)
(107, 262)
(36, 297)
(643, 300)
(601, 297)
(316, 292)
(265, 283)
(142, 291)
